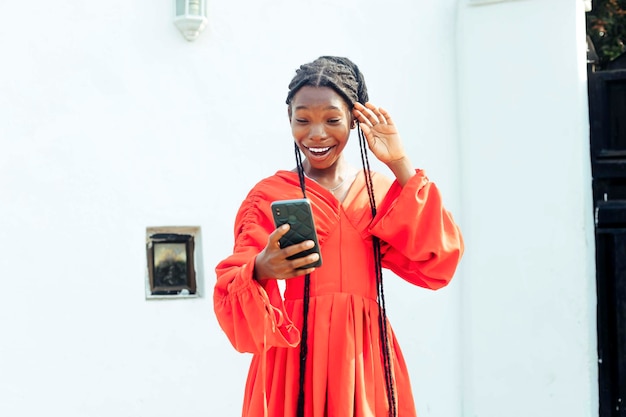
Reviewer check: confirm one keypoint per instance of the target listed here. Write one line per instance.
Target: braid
(345, 78)
(305, 305)
(300, 169)
(382, 311)
(340, 74)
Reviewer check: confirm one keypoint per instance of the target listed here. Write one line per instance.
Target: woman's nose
(317, 132)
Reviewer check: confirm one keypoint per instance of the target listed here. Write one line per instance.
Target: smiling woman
(320, 123)
(333, 316)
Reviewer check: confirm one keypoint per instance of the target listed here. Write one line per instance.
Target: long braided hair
(345, 78)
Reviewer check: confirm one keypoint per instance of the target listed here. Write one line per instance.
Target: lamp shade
(190, 17)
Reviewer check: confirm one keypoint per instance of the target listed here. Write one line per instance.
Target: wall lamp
(190, 17)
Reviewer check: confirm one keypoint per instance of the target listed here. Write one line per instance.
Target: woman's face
(320, 124)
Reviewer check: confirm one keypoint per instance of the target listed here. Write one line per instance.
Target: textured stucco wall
(111, 122)
(528, 293)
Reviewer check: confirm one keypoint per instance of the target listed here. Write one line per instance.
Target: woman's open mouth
(320, 152)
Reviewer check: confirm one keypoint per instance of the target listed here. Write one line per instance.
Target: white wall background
(529, 282)
(111, 122)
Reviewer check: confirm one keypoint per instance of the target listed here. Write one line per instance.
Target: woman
(324, 348)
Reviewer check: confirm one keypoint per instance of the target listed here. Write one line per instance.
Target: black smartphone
(302, 227)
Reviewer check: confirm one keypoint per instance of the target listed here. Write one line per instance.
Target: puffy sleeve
(421, 243)
(252, 315)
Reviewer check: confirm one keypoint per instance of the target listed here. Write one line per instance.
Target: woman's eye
(334, 121)
(301, 120)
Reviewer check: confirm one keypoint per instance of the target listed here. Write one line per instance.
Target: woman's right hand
(272, 262)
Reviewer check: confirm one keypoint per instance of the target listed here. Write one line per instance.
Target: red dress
(345, 374)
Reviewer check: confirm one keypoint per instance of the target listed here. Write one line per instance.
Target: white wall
(528, 292)
(111, 122)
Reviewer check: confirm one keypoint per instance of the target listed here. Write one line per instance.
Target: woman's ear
(353, 123)
(289, 113)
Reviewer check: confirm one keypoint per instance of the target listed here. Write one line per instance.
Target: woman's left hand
(380, 132)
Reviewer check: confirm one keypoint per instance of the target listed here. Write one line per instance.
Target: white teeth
(319, 150)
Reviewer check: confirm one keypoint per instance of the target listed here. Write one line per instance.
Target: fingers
(370, 115)
(304, 271)
(274, 237)
(298, 263)
(273, 261)
(297, 248)
(386, 115)
(289, 251)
